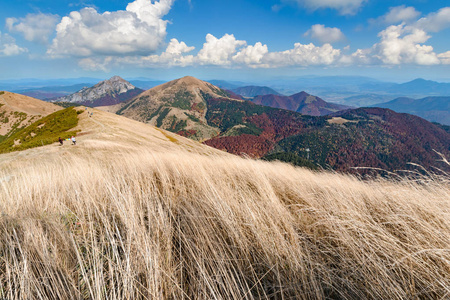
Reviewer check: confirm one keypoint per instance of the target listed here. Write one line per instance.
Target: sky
(233, 40)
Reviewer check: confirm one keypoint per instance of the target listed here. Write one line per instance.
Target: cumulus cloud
(344, 7)
(35, 27)
(445, 58)
(396, 15)
(251, 55)
(219, 51)
(138, 30)
(8, 46)
(303, 55)
(174, 55)
(403, 45)
(435, 22)
(325, 34)
(398, 44)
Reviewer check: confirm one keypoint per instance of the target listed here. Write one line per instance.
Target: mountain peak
(301, 94)
(116, 78)
(178, 105)
(107, 92)
(190, 80)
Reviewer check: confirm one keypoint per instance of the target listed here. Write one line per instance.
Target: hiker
(74, 142)
(60, 141)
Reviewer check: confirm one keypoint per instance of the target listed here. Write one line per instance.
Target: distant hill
(109, 92)
(433, 109)
(18, 111)
(52, 92)
(370, 137)
(359, 91)
(253, 91)
(301, 102)
(422, 86)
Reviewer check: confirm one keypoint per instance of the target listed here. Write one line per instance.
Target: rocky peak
(111, 88)
(116, 78)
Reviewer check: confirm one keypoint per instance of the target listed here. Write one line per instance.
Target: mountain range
(108, 92)
(433, 109)
(342, 140)
(366, 137)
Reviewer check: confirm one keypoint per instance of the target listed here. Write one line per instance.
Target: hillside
(108, 92)
(433, 109)
(377, 138)
(253, 91)
(42, 132)
(302, 102)
(18, 111)
(136, 212)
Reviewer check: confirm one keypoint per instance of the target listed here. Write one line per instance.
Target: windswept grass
(185, 226)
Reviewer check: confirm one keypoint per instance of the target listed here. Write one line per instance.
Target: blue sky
(241, 40)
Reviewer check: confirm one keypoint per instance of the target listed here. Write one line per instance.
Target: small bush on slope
(159, 226)
(42, 132)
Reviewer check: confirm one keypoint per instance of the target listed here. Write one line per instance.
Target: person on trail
(74, 142)
(60, 141)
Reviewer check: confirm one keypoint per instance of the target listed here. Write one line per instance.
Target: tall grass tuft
(185, 226)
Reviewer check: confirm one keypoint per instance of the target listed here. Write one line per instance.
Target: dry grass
(179, 225)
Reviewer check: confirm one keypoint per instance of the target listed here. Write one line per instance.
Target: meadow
(140, 224)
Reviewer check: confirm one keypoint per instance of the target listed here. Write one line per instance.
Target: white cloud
(172, 56)
(219, 51)
(435, 22)
(396, 15)
(35, 27)
(138, 30)
(345, 7)
(445, 58)
(325, 34)
(251, 55)
(177, 48)
(402, 45)
(303, 55)
(8, 46)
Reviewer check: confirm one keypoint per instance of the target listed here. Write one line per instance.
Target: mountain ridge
(433, 109)
(301, 102)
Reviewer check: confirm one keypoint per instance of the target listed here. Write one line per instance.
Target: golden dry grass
(166, 219)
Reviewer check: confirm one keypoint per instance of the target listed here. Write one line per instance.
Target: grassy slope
(42, 132)
(152, 215)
